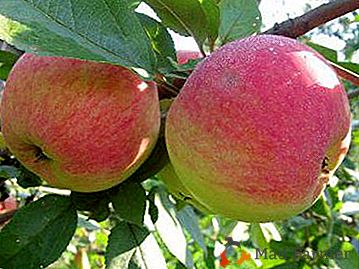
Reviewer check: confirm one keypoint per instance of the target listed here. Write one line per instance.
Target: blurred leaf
(7, 60)
(298, 222)
(161, 40)
(38, 233)
(133, 4)
(321, 207)
(239, 19)
(285, 249)
(106, 32)
(349, 257)
(129, 202)
(148, 255)
(328, 53)
(257, 236)
(122, 244)
(170, 230)
(8, 172)
(189, 220)
(186, 17)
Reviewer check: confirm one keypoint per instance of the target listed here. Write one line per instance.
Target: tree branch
(301, 25)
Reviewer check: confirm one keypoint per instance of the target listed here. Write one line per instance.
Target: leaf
(152, 209)
(26, 179)
(97, 204)
(122, 244)
(8, 172)
(129, 202)
(148, 255)
(38, 233)
(349, 257)
(189, 221)
(105, 30)
(171, 231)
(239, 19)
(328, 53)
(161, 40)
(211, 10)
(332, 56)
(186, 17)
(257, 236)
(133, 4)
(7, 60)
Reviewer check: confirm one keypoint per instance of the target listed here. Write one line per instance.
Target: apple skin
(174, 186)
(183, 56)
(259, 127)
(80, 125)
(9, 204)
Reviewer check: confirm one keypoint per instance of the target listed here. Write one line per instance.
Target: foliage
(138, 224)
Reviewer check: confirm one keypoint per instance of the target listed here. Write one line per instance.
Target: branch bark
(301, 25)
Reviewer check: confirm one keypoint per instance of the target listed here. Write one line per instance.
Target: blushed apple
(258, 128)
(80, 125)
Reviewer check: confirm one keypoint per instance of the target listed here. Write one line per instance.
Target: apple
(80, 125)
(258, 128)
(174, 186)
(8, 204)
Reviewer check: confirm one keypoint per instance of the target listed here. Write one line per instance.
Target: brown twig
(301, 25)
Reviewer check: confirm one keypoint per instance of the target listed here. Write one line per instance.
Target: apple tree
(117, 151)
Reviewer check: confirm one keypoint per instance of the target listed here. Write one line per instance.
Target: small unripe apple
(258, 128)
(80, 125)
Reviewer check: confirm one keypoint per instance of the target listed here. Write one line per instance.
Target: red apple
(258, 128)
(81, 125)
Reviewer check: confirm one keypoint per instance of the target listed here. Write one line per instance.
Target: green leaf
(186, 17)
(171, 231)
(161, 40)
(148, 255)
(239, 19)
(8, 172)
(105, 31)
(211, 10)
(7, 60)
(133, 4)
(38, 233)
(129, 202)
(347, 257)
(257, 236)
(27, 179)
(152, 208)
(97, 204)
(332, 56)
(189, 221)
(122, 244)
